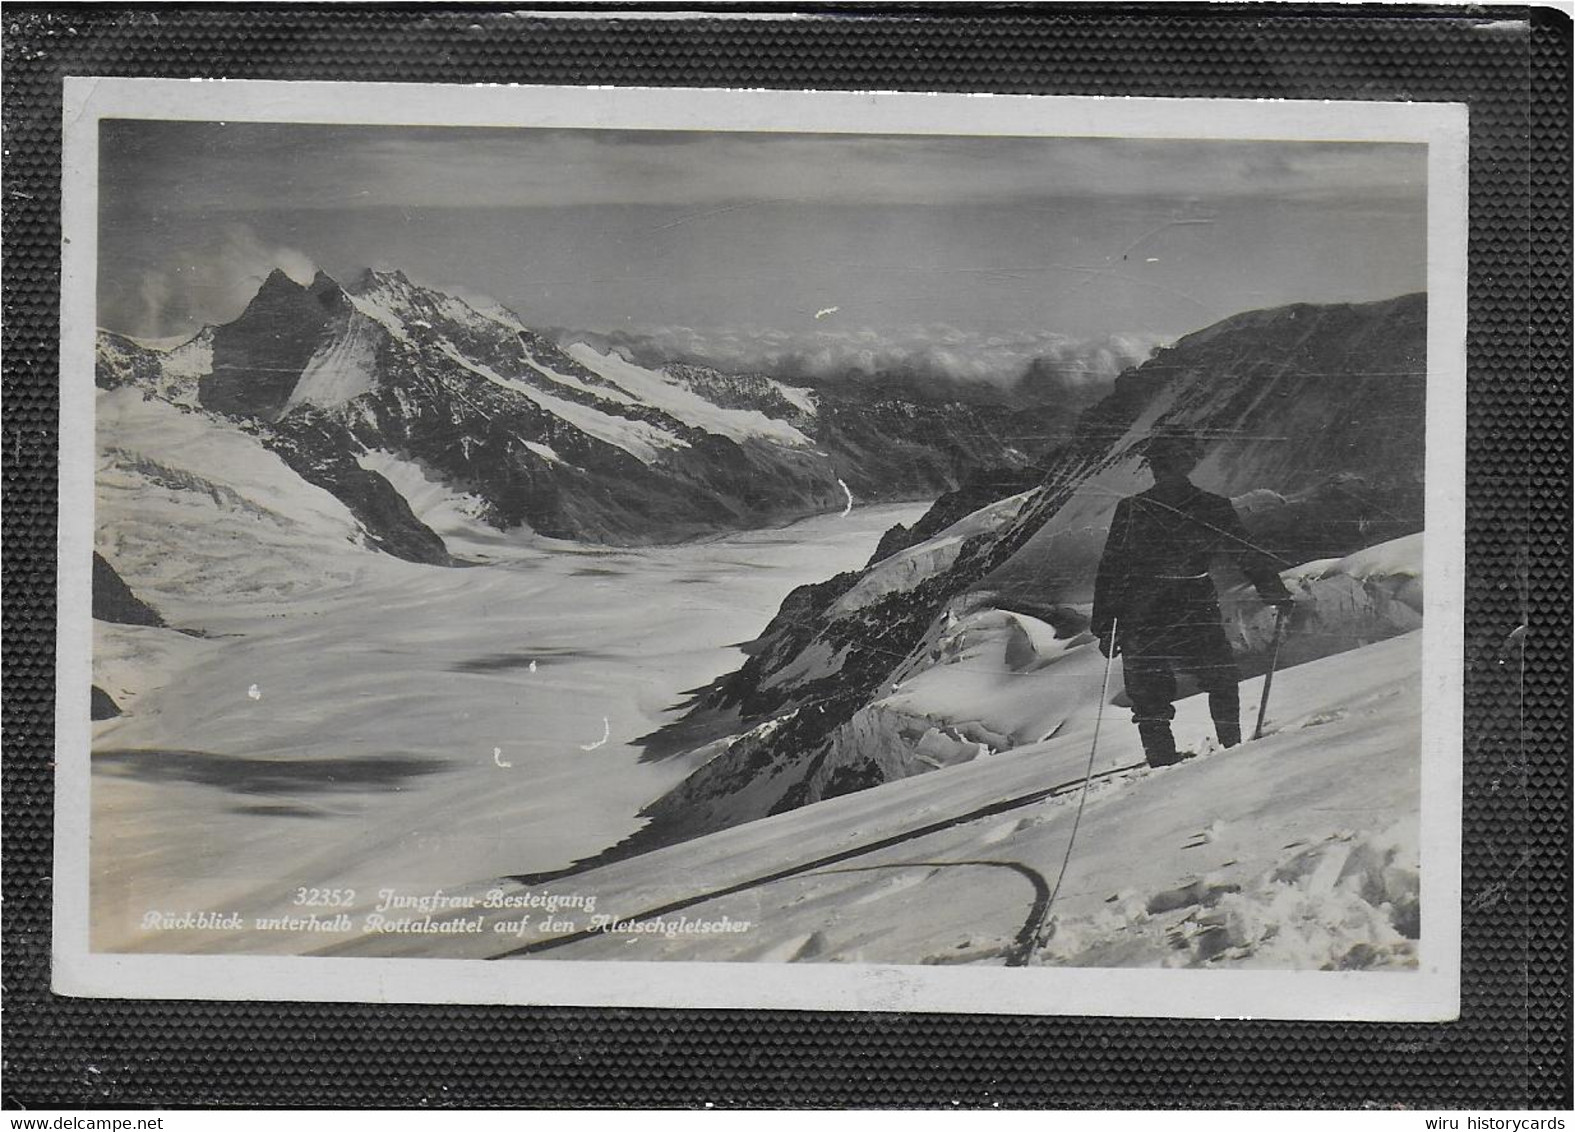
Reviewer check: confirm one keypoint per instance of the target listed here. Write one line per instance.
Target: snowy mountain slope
(311, 444)
(646, 442)
(987, 680)
(1314, 416)
(591, 447)
(340, 370)
(456, 516)
(678, 399)
(709, 464)
(570, 441)
(397, 724)
(169, 373)
(131, 661)
(196, 511)
(907, 568)
(324, 375)
(793, 404)
(1298, 850)
(476, 398)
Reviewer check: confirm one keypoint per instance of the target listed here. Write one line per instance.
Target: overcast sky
(620, 231)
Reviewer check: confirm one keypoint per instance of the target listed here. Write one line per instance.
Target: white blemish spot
(606, 735)
(848, 510)
(254, 692)
(824, 311)
(497, 757)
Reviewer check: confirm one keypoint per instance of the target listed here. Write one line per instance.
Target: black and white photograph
(725, 548)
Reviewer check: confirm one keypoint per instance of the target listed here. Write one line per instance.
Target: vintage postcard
(761, 549)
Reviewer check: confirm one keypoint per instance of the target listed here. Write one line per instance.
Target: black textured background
(1510, 1048)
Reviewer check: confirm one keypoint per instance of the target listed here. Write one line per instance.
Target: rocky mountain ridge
(567, 440)
(1314, 417)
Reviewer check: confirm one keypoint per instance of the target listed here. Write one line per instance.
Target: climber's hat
(1173, 447)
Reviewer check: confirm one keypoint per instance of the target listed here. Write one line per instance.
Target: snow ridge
(658, 389)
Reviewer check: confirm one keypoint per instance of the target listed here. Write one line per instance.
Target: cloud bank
(939, 361)
(221, 274)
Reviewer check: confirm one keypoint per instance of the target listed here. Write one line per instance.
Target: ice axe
(1274, 659)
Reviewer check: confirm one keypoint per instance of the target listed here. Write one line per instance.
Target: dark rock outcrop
(100, 705)
(120, 361)
(979, 490)
(114, 601)
(321, 451)
(259, 358)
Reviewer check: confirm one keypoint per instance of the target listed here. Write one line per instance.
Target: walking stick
(1268, 677)
(1088, 775)
(1104, 693)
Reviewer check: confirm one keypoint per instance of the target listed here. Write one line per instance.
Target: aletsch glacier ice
(414, 726)
(356, 719)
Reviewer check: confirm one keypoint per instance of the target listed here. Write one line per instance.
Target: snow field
(450, 513)
(1340, 762)
(1282, 874)
(130, 661)
(607, 393)
(545, 451)
(198, 516)
(424, 727)
(974, 687)
(802, 399)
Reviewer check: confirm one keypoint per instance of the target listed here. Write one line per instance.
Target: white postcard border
(1429, 993)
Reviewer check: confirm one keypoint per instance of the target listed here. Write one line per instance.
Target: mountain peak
(373, 278)
(326, 290)
(1291, 316)
(281, 286)
(259, 357)
(279, 280)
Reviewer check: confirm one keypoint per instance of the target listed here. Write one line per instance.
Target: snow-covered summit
(562, 437)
